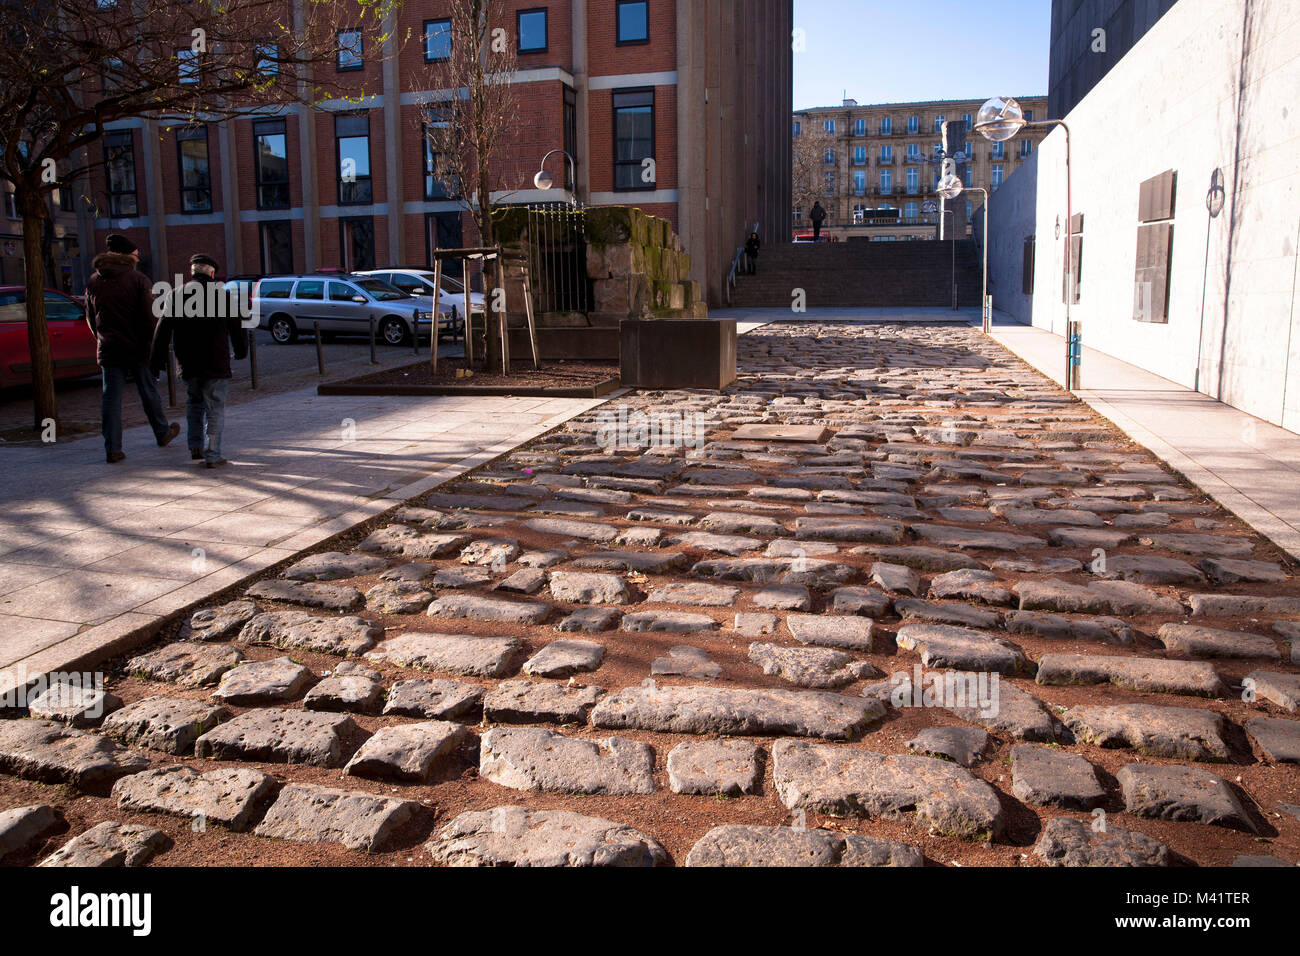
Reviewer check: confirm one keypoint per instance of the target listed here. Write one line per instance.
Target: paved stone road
(959, 620)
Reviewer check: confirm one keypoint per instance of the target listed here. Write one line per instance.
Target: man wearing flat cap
(202, 327)
(119, 310)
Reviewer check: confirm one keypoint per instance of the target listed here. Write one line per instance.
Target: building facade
(1185, 244)
(870, 165)
(349, 185)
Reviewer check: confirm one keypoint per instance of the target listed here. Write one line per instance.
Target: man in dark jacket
(202, 324)
(752, 245)
(818, 216)
(119, 310)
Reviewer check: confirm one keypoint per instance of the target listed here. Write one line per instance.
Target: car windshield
(381, 291)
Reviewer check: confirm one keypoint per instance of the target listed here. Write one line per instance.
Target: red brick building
(701, 87)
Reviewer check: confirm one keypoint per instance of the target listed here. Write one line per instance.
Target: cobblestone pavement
(910, 603)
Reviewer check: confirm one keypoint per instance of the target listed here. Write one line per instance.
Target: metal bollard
(320, 353)
(252, 358)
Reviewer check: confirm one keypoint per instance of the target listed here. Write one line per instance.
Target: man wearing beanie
(202, 325)
(119, 310)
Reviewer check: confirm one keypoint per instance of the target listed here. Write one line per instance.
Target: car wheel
(393, 330)
(283, 330)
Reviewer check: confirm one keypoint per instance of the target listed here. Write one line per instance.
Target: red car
(72, 346)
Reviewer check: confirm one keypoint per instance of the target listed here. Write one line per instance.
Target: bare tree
(68, 68)
(808, 166)
(472, 118)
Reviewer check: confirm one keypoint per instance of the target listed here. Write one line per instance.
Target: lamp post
(542, 180)
(950, 187)
(999, 120)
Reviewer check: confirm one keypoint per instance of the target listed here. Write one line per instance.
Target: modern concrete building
(874, 174)
(1185, 196)
(701, 87)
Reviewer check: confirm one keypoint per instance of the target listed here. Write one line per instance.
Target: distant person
(818, 216)
(202, 334)
(752, 245)
(119, 311)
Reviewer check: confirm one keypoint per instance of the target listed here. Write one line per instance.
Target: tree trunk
(32, 210)
(491, 337)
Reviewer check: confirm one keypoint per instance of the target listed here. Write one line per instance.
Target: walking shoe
(114, 457)
(172, 431)
(196, 454)
(218, 463)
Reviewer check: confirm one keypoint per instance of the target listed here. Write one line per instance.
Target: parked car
(451, 298)
(72, 344)
(342, 304)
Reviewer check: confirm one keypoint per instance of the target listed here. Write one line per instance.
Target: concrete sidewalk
(1250, 467)
(93, 555)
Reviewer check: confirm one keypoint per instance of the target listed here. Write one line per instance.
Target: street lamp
(999, 120)
(950, 187)
(543, 179)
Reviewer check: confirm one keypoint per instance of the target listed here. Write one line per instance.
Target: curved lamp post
(543, 179)
(950, 187)
(999, 120)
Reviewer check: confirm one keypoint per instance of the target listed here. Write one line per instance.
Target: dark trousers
(817, 229)
(751, 263)
(205, 415)
(110, 404)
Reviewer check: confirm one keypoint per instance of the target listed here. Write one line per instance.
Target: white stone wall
(1213, 84)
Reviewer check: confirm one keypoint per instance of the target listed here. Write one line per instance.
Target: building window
(859, 213)
(570, 135)
(532, 30)
(1029, 116)
(352, 157)
(350, 50)
(830, 184)
(829, 126)
(886, 126)
(938, 123)
(913, 125)
(634, 139)
(796, 128)
(275, 241)
(860, 127)
(271, 164)
(435, 187)
(965, 118)
(886, 180)
(859, 182)
(11, 205)
(828, 156)
(119, 162)
(913, 153)
(999, 150)
(969, 209)
(886, 154)
(112, 76)
(268, 59)
(195, 172)
(437, 40)
(356, 243)
(798, 214)
(633, 21)
(913, 178)
(966, 174)
(442, 230)
(909, 210)
(187, 66)
(997, 175)
(859, 155)
(1026, 147)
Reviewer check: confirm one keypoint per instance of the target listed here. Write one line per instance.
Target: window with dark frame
(268, 59)
(195, 169)
(356, 243)
(632, 21)
(437, 40)
(275, 240)
(350, 50)
(570, 134)
(352, 158)
(1155, 240)
(187, 66)
(119, 164)
(1027, 267)
(634, 138)
(531, 30)
(442, 230)
(271, 164)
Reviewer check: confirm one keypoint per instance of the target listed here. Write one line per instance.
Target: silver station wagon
(343, 305)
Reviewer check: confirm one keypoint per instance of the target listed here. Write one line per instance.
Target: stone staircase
(862, 274)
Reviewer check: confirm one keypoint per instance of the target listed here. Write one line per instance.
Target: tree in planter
(471, 63)
(68, 68)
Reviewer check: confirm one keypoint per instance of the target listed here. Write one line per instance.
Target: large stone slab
(1123, 598)
(1281, 688)
(1100, 628)
(950, 536)
(476, 608)
(854, 530)
(1197, 641)
(451, 653)
(846, 631)
(590, 620)
(1215, 545)
(970, 584)
(333, 565)
(564, 658)
(819, 667)
(300, 631)
(230, 796)
(216, 623)
(1181, 793)
(569, 528)
(1070, 842)
(412, 753)
(434, 699)
(841, 782)
(1178, 732)
(329, 597)
(52, 752)
(528, 702)
(312, 814)
(647, 562)
(1147, 674)
(271, 735)
(1234, 605)
(867, 602)
(715, 767)
(684, 660)
(1279, 739)
(345, 692)
(73, 703)
(409, 543)
(110, 844)
(1054, 778)
(737, 712)
(398, 597)
(264, 682)
(809, 434)
(749, 845)
(577, 587)
(946, 612)
(944, 646)
(695, 594)
(1233, 570)
(670, 622)
(1150, 569)
(21, 827)
(167, 724)
(528, 758)
(516, 836)
(185, 663)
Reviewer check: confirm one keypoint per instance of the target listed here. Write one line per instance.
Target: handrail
(730, 282)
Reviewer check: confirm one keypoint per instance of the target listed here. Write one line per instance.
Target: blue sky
(893, 51)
